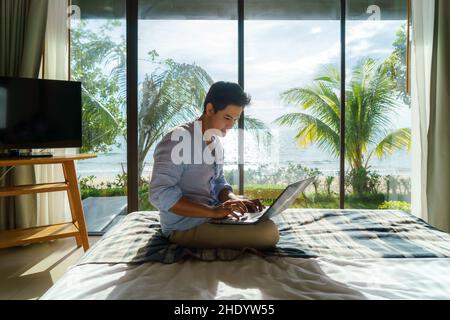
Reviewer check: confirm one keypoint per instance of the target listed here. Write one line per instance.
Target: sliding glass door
(98, 60)
(289, 48)
(378, 114)
(288, 56)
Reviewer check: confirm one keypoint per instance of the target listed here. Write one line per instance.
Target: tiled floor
(27, 272)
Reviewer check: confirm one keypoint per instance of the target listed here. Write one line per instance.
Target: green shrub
(88, 188)
(269, 174)
(266, 192)
(362, 180)
(364, 200)
(397, 205)
(104, 192)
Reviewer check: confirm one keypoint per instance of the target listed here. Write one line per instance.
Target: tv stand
(16, 154)
(75, 228)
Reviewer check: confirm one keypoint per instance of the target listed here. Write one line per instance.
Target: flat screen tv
(39, 114)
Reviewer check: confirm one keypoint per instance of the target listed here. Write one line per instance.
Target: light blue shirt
(198, 180)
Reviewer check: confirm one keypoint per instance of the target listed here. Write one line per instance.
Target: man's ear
(209, 109)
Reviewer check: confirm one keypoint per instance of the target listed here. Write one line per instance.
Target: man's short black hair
(222, 94)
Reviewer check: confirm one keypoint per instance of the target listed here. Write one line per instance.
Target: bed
(322, 254)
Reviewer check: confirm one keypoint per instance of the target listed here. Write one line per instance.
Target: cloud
(278, 54)
(316, 30)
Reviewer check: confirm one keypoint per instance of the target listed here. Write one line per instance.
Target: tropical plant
(362, 180)
(329, 181)
(370, 106)
(397, 64)
(171, 95)
(397, 205)
(273, 175)
(103, 100)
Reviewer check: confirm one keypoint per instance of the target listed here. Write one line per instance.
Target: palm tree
(171, 95)
(370, 106)
(103, 98)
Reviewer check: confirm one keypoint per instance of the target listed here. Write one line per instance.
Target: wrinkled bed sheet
(253, 277)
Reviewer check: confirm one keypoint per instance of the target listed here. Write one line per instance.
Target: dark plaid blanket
(304, 233)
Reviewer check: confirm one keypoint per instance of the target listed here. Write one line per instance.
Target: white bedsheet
(253, 277)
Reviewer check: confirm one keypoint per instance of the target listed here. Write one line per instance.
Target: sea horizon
(282, 151)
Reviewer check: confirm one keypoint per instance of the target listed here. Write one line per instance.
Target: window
(378, 114)
(98, 60)
(287, 45)
(292, 69)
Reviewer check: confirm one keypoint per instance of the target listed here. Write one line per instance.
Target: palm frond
(397, 140)
(258, 129)
(320, 99)
(99, 109)
(311, 130)
(370, 105)
(170, 96)
(331, 75)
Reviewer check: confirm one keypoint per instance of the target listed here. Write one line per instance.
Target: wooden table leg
(72, 208)
(76, 206)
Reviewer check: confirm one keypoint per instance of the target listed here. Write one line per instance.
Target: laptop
(284, 200)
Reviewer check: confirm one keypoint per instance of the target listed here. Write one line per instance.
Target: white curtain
(421, 65)
(53, 207)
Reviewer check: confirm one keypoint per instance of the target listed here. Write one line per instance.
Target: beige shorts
(261, 235)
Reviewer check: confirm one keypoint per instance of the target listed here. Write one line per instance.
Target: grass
(268, 193)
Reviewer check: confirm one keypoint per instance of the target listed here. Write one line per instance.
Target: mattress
(253, 277)
(322, 254)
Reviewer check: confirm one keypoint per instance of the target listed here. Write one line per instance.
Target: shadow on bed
(223, 274)
(247, 277)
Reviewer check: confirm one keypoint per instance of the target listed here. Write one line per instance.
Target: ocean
(281, 151)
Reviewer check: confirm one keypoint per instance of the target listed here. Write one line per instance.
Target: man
(188, 185)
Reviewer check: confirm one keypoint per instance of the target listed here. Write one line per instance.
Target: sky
(278, 55)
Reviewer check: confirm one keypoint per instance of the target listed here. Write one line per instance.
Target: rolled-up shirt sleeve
(219, 184)
(164, 185)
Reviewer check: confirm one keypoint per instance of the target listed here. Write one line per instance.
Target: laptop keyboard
(245, 216)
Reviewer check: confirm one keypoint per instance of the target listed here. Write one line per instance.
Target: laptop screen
(287, 197)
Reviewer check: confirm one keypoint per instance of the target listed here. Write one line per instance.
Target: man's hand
(254, 205)
(251, 205)
(234, 208)
(237, 208)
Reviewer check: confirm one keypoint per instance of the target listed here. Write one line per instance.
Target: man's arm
(187, 208)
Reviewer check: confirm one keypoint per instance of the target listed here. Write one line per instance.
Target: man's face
(223, 120)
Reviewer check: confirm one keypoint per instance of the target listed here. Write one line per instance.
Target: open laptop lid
(286, 198)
